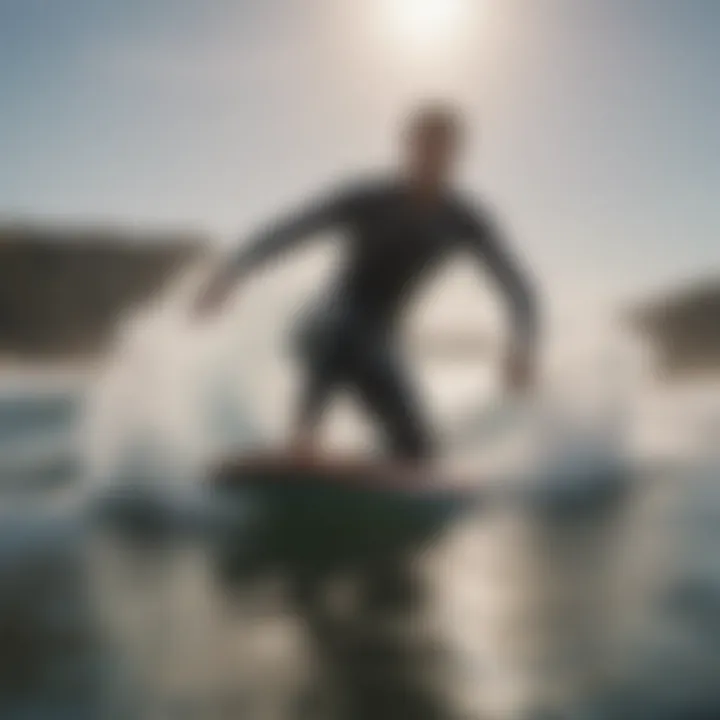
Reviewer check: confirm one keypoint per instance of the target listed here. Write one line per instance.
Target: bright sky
(596, 122)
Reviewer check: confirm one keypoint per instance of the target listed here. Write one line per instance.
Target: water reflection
(511, 613)
(594, 604)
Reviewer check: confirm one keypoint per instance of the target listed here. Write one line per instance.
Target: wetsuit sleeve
(290, 231)
(486, 242)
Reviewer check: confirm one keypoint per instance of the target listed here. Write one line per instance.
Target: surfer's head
(432, 135)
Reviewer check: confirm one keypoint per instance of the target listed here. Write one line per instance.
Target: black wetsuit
(393, 244)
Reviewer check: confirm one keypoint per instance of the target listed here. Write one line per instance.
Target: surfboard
(411, 483)
(343, 509)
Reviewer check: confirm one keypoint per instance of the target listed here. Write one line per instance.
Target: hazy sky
(597, 122)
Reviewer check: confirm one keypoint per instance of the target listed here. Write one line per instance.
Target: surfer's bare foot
(304, 447)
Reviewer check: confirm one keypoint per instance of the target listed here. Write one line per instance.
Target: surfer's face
(432, 150)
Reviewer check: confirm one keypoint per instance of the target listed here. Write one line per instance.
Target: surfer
(398, 229)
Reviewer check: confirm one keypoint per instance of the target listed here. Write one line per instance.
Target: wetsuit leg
(319, 383)
(341, 351)
(384, 387)
(321, 346)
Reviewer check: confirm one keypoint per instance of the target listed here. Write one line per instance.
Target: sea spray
(167, 402)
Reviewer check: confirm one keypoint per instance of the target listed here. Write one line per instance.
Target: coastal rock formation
(684, 328)
(62, 291)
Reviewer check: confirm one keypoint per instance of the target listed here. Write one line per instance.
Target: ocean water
(593, 591)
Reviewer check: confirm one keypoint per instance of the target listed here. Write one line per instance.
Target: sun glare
(428, 22)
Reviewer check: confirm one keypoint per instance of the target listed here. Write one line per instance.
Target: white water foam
(169, 400)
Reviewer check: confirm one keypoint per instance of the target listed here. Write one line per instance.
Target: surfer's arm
(289, 233)
(284, 235)
(487, 243)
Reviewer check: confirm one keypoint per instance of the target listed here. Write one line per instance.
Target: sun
(426, 23)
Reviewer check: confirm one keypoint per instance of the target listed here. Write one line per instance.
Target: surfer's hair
(435, 117)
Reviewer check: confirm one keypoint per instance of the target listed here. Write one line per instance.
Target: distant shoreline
(17, 374)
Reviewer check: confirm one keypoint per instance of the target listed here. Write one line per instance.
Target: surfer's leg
(322, 361)
(385, 389)
(312, 404)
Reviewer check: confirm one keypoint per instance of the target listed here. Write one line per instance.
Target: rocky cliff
(62, 291)
(684, 328)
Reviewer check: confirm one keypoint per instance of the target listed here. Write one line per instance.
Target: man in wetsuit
(398, 229)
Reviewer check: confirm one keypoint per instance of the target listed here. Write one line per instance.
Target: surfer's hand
(213, 294)
(519, 372)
